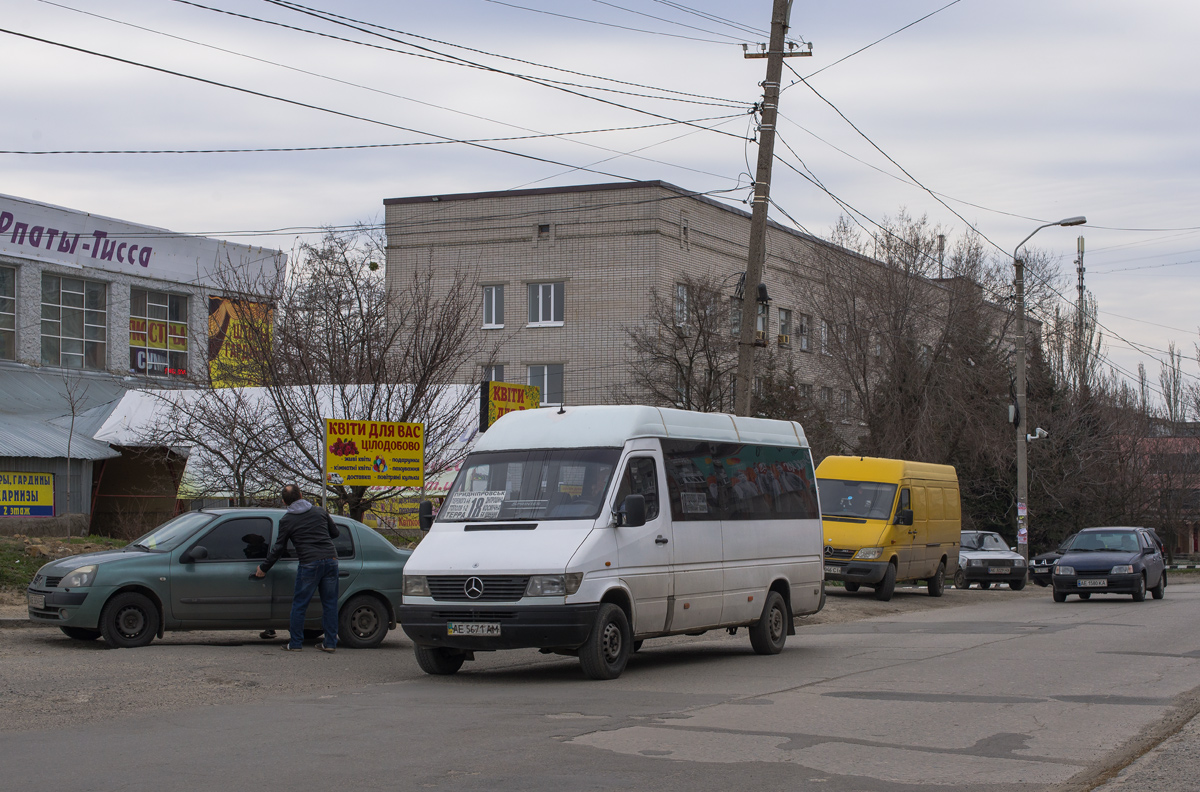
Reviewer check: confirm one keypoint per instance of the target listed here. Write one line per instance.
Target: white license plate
(472, 628)
(1000, 570)
(833, 570)
(37, 601)
(1092, 583)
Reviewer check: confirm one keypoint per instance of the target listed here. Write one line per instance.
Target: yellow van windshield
(864, 500)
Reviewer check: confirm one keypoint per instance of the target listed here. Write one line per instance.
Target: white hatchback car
(984, 558)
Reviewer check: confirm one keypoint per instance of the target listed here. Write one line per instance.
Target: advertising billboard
(235, 328)
(374, 453)
(26, 494)
(498, 398)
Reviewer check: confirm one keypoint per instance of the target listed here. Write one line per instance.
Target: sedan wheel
(363, 623)
(129, 620)
(960, 580)
(1140, 594)
(1160, 590)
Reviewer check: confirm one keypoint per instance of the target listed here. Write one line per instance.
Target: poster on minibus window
(374, 453)
(26, 494)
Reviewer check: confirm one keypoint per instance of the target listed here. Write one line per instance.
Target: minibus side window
(641, 478)
(694, 481)
(904, 503)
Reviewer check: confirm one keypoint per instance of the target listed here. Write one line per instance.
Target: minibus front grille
(838, 553)
(475, 615)
(477, 588)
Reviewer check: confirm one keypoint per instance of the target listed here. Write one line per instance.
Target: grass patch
(17, 568)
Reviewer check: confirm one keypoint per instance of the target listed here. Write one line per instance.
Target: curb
(1183, 566)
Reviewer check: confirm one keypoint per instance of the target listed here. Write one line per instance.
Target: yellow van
(888, 520)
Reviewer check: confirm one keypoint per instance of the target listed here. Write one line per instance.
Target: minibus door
(644, 552)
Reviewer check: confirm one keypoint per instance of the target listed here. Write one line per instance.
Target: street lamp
(1022, 437)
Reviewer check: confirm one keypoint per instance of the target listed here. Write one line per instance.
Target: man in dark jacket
(311, 531)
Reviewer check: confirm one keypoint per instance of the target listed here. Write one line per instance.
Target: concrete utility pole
(1079, 324)
(744, 383)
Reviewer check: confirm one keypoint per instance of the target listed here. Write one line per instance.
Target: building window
(825, 337)
(74, 323)
(735, 316)
(845, 405)
(805, 392)
(543, 231)
(758, 387)
(493, 306)
(785, 327)
(549, 380)
(681, 304)
(546, 304)
(8, 313)
(158, 333)
(802, 329)
(493, 373)
(685, 229)
(826, 398)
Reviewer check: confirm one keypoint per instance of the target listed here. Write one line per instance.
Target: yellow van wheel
(886, 587)
(851, 587)
(937, 584)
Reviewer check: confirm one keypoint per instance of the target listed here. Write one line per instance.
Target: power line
(668, 21)
(604, 24)
(714, 18)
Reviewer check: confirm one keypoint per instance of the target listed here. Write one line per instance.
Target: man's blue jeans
(320, 576)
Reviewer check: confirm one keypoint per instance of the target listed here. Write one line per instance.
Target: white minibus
(587, 530)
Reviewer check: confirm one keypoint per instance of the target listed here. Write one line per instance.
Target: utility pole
(1079, 353)
(941, 256)
(744, 383)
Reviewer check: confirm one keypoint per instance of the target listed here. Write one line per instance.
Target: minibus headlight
(547, 586)
(867, 553)
(573, 581)
(1059, 569)
(416, 586)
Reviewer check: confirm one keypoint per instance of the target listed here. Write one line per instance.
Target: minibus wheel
(438, 660)
(607, 649)
(886, 587)
(768, 634)
(937, 584)
(850, 587)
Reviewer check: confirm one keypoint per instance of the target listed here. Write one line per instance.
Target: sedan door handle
(343, 574)
(660, 540)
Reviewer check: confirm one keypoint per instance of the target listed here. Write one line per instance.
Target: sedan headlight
(975, 562)
(1064, 570)
(1019, 562)
(1122, 569)
(80, 578)
(553, 585)
(416, 586)
(868, 553)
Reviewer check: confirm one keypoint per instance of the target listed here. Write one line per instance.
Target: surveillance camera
(1040, 433)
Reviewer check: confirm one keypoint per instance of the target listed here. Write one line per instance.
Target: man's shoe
(325, 648)
(267, 635)
(290, 648)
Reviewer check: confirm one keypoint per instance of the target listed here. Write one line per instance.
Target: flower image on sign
(374, 453)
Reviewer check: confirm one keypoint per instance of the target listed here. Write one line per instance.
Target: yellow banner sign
(374, 453)
(26, 494)
(498, 398)
(237, 331)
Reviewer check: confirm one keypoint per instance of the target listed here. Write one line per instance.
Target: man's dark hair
(291, 494)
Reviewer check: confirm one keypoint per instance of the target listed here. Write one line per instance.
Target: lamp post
(1022, 438)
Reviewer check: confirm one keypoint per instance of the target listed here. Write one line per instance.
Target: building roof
(35, 412)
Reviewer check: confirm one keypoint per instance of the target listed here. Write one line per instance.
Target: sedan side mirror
(632, 512)
(197, 553)
(425, 515)
(904, 517)
(1147, 551)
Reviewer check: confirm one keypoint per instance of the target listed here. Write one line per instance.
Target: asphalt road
(977, 691)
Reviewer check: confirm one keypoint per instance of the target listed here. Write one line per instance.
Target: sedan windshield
(564, 484)
(1101, 541)
(983, 541)
(172, 532)
(868, 500)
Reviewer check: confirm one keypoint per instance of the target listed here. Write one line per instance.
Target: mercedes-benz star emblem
(828, 550)
(473, 588)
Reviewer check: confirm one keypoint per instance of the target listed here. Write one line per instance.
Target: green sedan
(195, 572)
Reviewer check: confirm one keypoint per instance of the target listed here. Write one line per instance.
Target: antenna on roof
(561, 411)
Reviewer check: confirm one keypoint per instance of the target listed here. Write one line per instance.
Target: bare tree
(334, 342)
(685, 354)
(74, 392)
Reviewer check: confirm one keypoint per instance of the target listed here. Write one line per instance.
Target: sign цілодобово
(374, 453)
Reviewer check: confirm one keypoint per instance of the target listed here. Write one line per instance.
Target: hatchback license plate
(472, 628)
(37, 601)
(833, 570)
(1092, 583)
(1000, 570)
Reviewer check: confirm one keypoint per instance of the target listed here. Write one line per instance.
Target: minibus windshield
(551, 484)
(865, 500)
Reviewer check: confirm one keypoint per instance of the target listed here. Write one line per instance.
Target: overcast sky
(1014, 113)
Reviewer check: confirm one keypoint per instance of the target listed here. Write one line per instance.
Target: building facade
(564, 273)
(91, 307)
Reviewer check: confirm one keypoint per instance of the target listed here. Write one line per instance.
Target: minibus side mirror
(425, 515)
(904, 517)
(632, 512)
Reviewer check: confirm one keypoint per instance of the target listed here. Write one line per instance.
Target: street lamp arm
(1069, 221)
